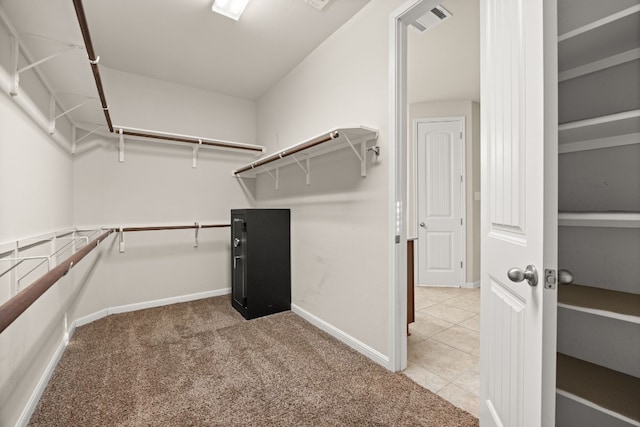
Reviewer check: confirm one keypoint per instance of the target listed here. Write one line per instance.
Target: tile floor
(444, 345)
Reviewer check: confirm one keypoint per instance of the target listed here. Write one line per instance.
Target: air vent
(431, 19)
(318, 4)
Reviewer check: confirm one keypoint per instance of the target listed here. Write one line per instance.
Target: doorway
(440, 145)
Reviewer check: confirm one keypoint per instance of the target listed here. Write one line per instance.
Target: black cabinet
(260, 261)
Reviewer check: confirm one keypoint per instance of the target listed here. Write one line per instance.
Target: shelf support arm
(306, 171)
(361, 156)
(86, 135)
(276, 178)
(15, 57)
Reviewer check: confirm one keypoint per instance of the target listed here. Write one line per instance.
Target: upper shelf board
(624, 123)
(605, 37)
(599, 219)
(347, 137)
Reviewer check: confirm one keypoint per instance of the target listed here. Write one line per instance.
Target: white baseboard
(51, 366)
(149, 304)
(472, 285)
(355, 344)
(32, 403)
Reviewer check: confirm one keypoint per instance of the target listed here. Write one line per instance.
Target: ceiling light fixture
(230, 8)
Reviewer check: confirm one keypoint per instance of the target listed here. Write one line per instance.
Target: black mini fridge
(260, 261)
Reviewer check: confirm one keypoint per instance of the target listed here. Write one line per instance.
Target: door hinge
(549, 278)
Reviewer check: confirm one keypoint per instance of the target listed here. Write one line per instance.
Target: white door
(519, 211)
(440, 189)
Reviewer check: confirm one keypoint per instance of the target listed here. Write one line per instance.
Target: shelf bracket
(121, 146)
(52, 112)
(15, 57)
(306, 171)
(361, 156)
(121, 241)
(276, 178)
(194, 163)
(75, 140)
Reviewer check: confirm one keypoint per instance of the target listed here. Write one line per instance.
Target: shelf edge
(597, 407)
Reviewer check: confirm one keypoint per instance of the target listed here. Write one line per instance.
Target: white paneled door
(440, 182)
(519, 212)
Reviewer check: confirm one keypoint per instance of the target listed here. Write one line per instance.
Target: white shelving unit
(356, 139)
(598, 382)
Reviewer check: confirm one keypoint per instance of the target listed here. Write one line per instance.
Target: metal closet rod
(12, 309)
(170, 227)
(282, 154)
(190, 140)
(93, 59)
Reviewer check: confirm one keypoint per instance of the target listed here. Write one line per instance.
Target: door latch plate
(549, 278)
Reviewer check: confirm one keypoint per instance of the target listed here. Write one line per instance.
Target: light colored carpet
(201, 364)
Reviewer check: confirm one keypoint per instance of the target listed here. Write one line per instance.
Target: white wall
(340, 222)
(444, 62)
(156, 184)
(35, 197)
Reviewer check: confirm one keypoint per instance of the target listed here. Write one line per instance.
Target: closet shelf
(599, 39)
(603, 302)
(598, 387)
(347, 137)
(600, 128)
(599, 219)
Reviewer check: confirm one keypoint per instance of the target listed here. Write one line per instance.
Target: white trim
(32, 403)
(596, 144)
(463, 188)
(397, 249)
(472, 285)
(597, 407)
(340, 335)
(149, 304)
(599, 219)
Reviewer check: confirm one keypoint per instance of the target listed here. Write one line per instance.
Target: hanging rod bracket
(121, 240)
(197, 227)
(120, 146)
(194, 163)
(94, 61)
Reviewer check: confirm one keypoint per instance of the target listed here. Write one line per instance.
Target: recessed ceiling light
(230, 8)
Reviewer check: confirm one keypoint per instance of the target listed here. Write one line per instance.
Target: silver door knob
(236, 242)
(422, 224)
(565, 277)
(530, 274)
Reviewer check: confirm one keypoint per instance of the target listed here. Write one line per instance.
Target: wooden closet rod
(12, 309)
(170, 227)
(286, 153)
(191, 140)
(93, 59)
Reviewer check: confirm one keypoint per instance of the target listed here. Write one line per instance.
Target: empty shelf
(327, 142)
(624, 123)
(601, 388)
(604, 302)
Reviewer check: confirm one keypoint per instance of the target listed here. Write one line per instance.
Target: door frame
(463, 193)
(399, 21)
